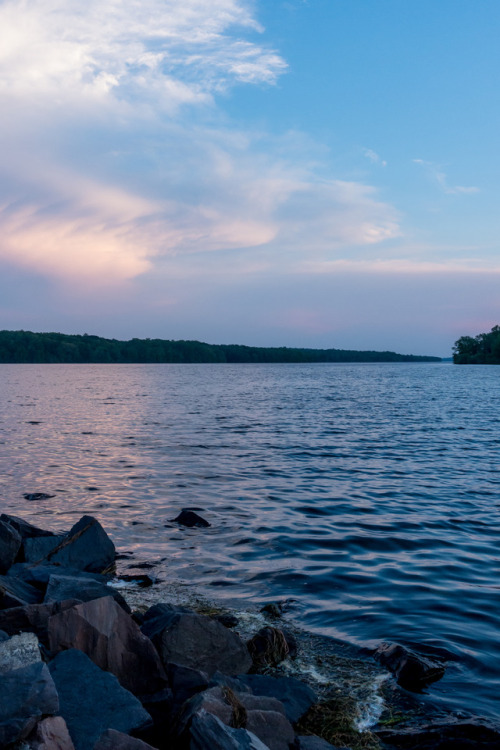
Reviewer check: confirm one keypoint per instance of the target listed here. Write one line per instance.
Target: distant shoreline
(27, 347)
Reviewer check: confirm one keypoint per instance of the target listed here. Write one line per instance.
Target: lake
(367, 493)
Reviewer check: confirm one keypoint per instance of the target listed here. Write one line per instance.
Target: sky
(313, 173)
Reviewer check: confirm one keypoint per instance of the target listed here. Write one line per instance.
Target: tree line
(483, 349)
(28, 347)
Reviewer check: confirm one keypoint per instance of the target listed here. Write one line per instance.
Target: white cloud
(374, 157)
(440, 177)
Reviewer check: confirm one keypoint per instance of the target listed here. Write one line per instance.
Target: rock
(16, 593)
(272, 728)
(185, 682)
(86, 547)
(296, 696)
(195, 641)
(229, 621)
(208, 733)
(412, 671)
(34, 496)
(190, 518)
(268, 648)
(457, 735)
(3, 636)
(27, 695)
(36, 548)
(92, 701)
(223, 680)
(273, 609)
(291, 642)
(113, 740)
(312, 742)
(107, 635)
(160, 707)
(51, 734)
(10, 543)
(62, 587)
(38, 575)
(19, 651)
(141, 579)
(32, 617)
(25, 529)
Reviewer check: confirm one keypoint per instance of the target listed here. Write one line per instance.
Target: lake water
(370, 494)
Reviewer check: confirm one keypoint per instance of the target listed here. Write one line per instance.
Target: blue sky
(315, 173)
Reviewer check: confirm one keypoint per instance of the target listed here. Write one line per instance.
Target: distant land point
(18, 347)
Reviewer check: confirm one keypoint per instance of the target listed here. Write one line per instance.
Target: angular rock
(190, 518)
(456, 735)
(10, 543)
(86, 547)
(38, 575)
(268, 648)
(92, 701)
(25, 529)
(185, 682)
(195, 641)
(37, 548)
(19, 651)
(312, 742)
(296, 696)
(51, 734)
(102, 630)
(272, 728)
(412, 671)
(32, 617)
(27, 695)
(160, 707)
(62, 587)
(113, 740)
(16, 593)
(208, 733)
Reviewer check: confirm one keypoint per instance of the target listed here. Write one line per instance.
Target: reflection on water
(368, 493)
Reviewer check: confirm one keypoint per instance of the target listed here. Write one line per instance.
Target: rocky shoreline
(81, 670)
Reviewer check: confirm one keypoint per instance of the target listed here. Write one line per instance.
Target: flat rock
(296, 696)
(25, 529)
(195, 641)
(32, 617)
(113, 740)
(412, 671)
(86, 547)
(27, 695)
(16, 593)
(10, 543)
(19, 651)
(51, 734)
(208, 733)
(92, 701)
(107, 635)
(62, 587)
(191, 519)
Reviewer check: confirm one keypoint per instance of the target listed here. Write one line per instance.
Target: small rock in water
(273, 609)
(228, 620)
(412, 671)
(190, 518)
(268, 647)
(37, 496)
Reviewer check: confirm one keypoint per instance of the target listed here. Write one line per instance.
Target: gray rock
(10, 543)
(32, 617)
(37, 548)
(315, 743)
(195, 641)
(102, 630)
(272, 728)
(63, 587)
(296, 696)
(113, 740)
(51, 734)
(92, 701)
(86, 547)
(208, 733)
(27, 695)
(38, 574)
(25, 529)
(16, 593)
(412, 671)
(19, 651)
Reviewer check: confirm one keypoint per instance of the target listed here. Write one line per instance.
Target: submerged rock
(456, 735)
(34, 496)
(412, 671)
(190, 518)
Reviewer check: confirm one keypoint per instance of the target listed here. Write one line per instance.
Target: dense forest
(483, 349)
(24, 346)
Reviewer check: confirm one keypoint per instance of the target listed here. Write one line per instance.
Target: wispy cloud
(439, 176)
(374, 157)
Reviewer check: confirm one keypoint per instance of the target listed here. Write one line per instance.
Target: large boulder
(27, 695)
(102, 630)
(113, 740)
(412, 671)
(19, 651)
(86, 547)
(208, 732)
(32, 618)
(16, 593)
(50, 734)
(63, 587)
(296, 697)
(25, 529)
(38, 574)
(195, 641)
(10, 543)
(92, 701)
(37, 548)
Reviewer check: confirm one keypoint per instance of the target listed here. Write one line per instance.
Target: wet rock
(19, 651)
(228, 620)
(16, 593)
(273, 609)
(113, 740)
(10, 543)
(412, 671)
(32, 617)
(62, 587)
(458, 735)
(27, 530)
(141, 579)
(268, 648)
(208, 732)
(312, 742)
(51, 734)
(296, 697)
(92, 701)
(191, 640)
(190, 518)
(107, 635)
(35, 496)
(86, 547)
(37, 548)
(27, 695)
